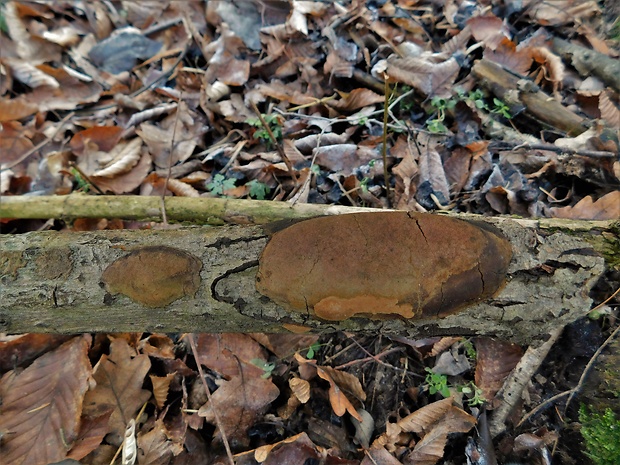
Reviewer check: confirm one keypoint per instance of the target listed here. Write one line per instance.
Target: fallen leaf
(41, 405)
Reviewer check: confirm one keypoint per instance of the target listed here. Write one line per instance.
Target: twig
(218, 421)
(174, 132)
(553, 148)
(589, 366)
(386, 178)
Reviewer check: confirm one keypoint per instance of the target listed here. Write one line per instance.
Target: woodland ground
(286, 101)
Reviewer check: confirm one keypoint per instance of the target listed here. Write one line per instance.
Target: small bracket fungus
(411, 265)
(154, 276)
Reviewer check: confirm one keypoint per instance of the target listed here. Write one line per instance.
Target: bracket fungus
(154, 276)
(378, 265)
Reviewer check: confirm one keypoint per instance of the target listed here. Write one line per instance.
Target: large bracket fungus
(378, 265)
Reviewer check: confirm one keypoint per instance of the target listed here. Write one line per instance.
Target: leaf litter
(76, 115)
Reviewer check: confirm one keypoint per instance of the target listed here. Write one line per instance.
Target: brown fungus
(414, 265)
(154, 276)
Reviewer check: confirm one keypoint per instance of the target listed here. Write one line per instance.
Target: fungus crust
(154, 276)
(410, 265)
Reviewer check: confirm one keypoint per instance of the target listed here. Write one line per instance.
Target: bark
(54, 282)
(589, 62)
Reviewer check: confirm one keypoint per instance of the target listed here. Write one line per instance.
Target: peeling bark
(53, 282)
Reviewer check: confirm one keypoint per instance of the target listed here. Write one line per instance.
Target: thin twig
(386, 178)
(218, 421)
(174, 132)
(589, 366)
(553, 148)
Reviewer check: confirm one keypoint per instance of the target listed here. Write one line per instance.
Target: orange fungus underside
(410, 265)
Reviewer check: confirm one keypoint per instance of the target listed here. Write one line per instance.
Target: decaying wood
(589, 62)
(53, 282)
(515, 90)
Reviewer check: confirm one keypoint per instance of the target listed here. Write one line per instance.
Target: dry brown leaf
(338, 400)
(30, 74)
(551, 64)
(102, 138)
(181, 189)
(424, 75)
(347, 382)
(68, 95)
(605, 208)
(556, 12)
(378, 455)
(41, 405)
(91, 434)
(494, 362)
(157, 345)
(161, 385)
(285, 345)
(19, 351)
(119, 378)
(488, 29)
(239, 403)
(15, 109)
(300, 388)
(224, 66)
(14, 142)
(356, 99)
(610, 111)
(429, 450)
(154, 448)
(125, 156)
(507, 55)
(126, 182)
(229, 353)
(424, 419)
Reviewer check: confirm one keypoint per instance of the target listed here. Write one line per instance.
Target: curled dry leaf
(436, 265)
(338, 400)
(300, 388)
(126, 156)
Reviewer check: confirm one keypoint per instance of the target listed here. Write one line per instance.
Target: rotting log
(54, 282)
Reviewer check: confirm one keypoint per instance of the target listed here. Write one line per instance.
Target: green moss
(602, 436)
(611, 247)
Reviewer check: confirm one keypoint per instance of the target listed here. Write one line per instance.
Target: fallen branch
(54, 281)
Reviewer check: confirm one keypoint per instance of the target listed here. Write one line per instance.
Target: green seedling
(437, 383)
(501, 108)
(220, 183)
(473, 393)
(440, 104)
(265, 366)
(274, 123)
(258, 190)
(82, 184)
(312, 350)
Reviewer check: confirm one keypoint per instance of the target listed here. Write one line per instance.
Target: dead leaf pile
(269, 400)
(485, 114)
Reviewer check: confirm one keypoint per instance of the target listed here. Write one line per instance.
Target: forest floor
(491, 108)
